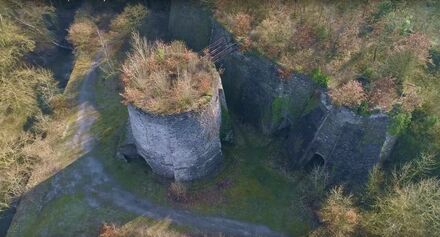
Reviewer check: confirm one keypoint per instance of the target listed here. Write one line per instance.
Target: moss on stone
(312, 104)
(226, 129)
(282, 107)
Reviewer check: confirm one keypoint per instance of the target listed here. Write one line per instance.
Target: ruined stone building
(314, 131)
(182, 146)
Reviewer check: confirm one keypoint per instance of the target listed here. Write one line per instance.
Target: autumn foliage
(385, 43)
(350, 94)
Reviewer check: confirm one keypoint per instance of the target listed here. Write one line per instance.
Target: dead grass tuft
(140, 229)
(167, 78)
(178, 192)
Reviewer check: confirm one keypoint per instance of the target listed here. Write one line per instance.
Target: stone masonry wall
(190, 22)
(183, 146)
(256, 92)
(350, 144)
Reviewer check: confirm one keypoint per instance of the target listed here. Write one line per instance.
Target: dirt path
(102, 189)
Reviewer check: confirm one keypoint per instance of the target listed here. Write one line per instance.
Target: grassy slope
(256, 192)
(253, 190)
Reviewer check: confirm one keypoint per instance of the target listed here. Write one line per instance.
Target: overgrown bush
(129, 20)
(409, 210)
(241, 25)
(423, 167)
(383, 94)
(374, 186)
(83, 34)
(400, 120)
(274, 34)
(26, 100)
(350, 94)
(13, 44)
(381, 39)
(34, 18)
(167, 79)
(318, 179)
(339, 215)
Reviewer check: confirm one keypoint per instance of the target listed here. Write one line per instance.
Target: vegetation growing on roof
(167, 78)
(384, 43)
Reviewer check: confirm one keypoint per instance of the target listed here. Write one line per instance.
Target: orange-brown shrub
(241, 26)
(383, 94)
(350, 94)
(418, 43)
(167, 78)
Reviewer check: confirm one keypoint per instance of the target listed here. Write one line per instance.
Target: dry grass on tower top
(167, 78)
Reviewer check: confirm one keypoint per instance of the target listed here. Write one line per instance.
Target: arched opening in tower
(316, 161)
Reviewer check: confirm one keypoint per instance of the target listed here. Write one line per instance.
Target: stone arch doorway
(317, 160)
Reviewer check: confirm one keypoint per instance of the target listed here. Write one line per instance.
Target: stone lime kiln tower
(173, 98)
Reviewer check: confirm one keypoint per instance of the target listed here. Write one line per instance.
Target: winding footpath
(99, 188)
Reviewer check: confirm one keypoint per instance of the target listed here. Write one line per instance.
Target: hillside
(219, 118)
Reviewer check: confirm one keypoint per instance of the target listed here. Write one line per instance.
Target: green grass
(68, 214)
(257, 192)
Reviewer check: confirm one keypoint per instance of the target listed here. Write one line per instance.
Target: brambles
(167, 79)
(374, 185)
(350, 94)
(383, 94)
(418, 169)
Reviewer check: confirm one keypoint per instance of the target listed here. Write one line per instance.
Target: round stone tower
(183, 146)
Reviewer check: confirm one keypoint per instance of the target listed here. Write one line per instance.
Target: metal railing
(221, 48)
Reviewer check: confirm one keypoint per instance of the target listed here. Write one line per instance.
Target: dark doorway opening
(316, 161)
